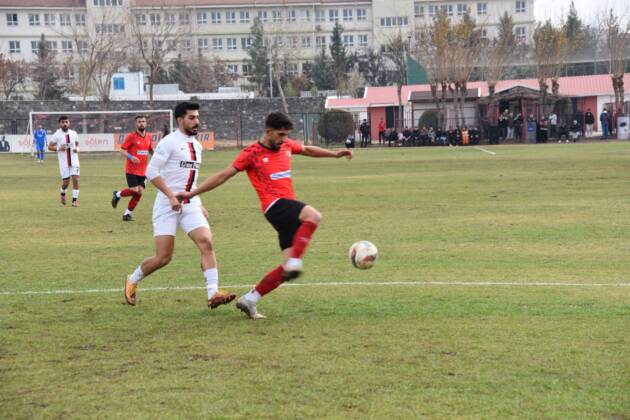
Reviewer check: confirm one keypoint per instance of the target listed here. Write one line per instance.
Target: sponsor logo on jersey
(143, 152)
(281, 175)
(189, 165)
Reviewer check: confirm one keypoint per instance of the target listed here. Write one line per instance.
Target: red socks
(127, 193)
(302, 237)
(134, 201)
(272, 280)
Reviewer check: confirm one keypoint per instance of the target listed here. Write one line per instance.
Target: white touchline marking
(485, 150)
(320, 284)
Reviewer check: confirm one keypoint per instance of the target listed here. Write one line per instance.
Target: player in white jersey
(174, 168)
(66, 143)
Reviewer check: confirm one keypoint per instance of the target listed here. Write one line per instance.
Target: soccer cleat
(75, 203)
(130, 291)
(292, 269)
(221, 297)
(62, 197)
(115, 199)
(249, 308)
(127, 218)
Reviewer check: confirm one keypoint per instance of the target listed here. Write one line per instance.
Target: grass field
(502, 290)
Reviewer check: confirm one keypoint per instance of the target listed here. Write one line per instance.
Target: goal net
(102, 131)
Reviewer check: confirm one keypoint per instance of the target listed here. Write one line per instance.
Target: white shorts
(68, 171)
(190, 218)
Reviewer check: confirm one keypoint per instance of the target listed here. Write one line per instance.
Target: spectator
(381, 132)
(553, 125)
(406, 137)
(518, 122)
(465, 136)
(503, 125)
(350, 141)
(604, 119)
(575, 130)
(510, 126)
(364, 128)
(392, 137)
(165, 130)
(474, 136)
(543, 130)
(589, 121)
(4, 145)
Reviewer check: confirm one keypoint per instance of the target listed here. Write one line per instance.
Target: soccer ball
(363, 254)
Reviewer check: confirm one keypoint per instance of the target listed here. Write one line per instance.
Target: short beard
(192, 131)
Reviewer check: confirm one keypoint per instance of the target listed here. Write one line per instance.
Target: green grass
(552, 214)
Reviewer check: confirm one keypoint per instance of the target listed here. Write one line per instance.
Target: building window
(462, 9)
(202, 44)
(231, 44)
(333, 15)
(35, 47)
(82, 46)
(215, 17)
(291, 16)
(361, 14)
(292, 42)
(520, 7)
(448, 9)
(433, 10)
(246, 43)
(484, 33)
(306, 15)
(291, 69)
(50, 19)
(320, 41)
(244, 16)
(119, 83)
(395, 21)
(217, 44)
(262, 16)
(14, 47)
(482, 9)
(185, 45)
(79, 19)
(520, 33)
(230, 17)
(276, 16)
(184, 19)
(247, 69)
(109, 28)
(52, 46)
(306, 42)
(33, 19)
(202, 18)
(232, 68)
(320, 15)
(107, 2)
(348, 40)
(66, 47)
(141, 20)
(169, 19)
(347, 15)
(363, 40)
(64, 19)
(418, 10)
(12, 19)
(155, 19)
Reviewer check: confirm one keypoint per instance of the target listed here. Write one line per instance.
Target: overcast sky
(588, 10)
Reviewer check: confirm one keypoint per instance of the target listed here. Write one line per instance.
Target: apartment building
(222, 27)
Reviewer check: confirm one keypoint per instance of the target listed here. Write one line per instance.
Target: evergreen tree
(323, 72)
(259, 57)
(45, 73)
(339, 55)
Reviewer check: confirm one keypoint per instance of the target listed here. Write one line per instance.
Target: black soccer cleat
(127, 218)
(115, 199)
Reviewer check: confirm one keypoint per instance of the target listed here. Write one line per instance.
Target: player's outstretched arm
(210, 183)
(314, 151)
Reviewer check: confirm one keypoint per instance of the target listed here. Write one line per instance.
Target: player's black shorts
(284, 216)
(134, 180)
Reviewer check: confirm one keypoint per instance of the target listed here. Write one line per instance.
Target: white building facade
(222, 27)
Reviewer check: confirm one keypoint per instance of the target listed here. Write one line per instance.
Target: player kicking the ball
(268, 166)
(174, 167)
(136, 149)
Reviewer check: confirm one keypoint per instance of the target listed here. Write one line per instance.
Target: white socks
(118, 194)
(75, 194)
(136, 276)
(127, 211)
(212, 281)
(252, 296)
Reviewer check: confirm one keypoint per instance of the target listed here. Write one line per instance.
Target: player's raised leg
(202, 237)
(164, 246)
(309, 221)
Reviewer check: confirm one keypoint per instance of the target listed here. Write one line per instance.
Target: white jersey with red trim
(66, 157)
(177, 160)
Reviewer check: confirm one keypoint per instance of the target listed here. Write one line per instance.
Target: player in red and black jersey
(268, 166)
(136, 149)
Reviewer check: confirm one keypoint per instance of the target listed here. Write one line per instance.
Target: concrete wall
(229, 119)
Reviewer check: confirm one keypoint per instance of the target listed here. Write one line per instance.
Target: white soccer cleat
(292, 268)
(249, 308)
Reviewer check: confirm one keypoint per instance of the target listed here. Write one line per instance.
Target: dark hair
(278, 121)
(137, 117)
(182, 108)
(62, 118)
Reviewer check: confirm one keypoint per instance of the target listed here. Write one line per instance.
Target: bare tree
(497, 54)
(12, 75)
(395, 50)
(549, 53)
(617, 41)
(155, 35)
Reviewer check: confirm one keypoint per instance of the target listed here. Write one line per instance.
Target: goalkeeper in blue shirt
(39, 138)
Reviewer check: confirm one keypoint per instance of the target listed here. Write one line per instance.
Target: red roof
(576, 86)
